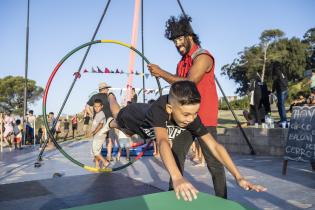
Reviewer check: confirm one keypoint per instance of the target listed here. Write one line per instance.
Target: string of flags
(139, 90)
(117, 71)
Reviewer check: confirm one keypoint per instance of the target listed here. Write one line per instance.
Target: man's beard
(187, 47)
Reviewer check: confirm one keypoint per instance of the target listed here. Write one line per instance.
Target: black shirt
(142, 118)
(134, 98)
(103, 98)
(280, 82)
(86, 120)
(66, 125)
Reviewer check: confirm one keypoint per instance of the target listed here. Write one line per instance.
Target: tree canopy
(12, 93)
(295, 56)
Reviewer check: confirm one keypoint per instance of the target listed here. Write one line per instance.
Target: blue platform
(133, 151)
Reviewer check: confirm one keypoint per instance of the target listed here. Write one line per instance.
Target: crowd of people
(13, 129)
(261, 98)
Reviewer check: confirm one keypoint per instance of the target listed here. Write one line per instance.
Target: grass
(226, 119)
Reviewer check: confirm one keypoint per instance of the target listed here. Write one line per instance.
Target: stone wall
(264, 141)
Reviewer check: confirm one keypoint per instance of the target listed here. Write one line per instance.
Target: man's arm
(202, 64)
(181, 186)
(88, 109)
(221, 154)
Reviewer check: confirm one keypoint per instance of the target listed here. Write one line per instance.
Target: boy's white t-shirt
(99, 118)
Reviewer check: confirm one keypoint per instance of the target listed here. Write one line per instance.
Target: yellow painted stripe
(116, 42)
(93, 169)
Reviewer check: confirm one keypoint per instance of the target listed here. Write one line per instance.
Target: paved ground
(296, 190)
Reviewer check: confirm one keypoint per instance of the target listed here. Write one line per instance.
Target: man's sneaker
(106, 127)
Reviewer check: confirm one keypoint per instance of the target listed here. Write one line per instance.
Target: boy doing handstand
(173, 117)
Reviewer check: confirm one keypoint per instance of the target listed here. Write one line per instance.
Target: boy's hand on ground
(184, 189)
(246, 185)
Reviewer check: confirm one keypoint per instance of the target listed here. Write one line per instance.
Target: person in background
(18, 131)
(30, 125)
(311, 99)
(8, 134)
(58, 129)
(74, 123)
(86, 121)
(66, 126)
(280, 86)
(51, 125)
(103, 89)
(98, 136)
(134, 96)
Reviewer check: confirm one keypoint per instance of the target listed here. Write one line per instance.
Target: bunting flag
(108, 71)
(99, 70)
(121, 91)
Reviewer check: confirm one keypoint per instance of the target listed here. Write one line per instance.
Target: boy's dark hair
(99, 101)
(176, 27)
(51, 113)
(18, 122)
(184, 92)
(31, 112)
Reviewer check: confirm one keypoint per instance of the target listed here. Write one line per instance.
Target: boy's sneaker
(106, 127)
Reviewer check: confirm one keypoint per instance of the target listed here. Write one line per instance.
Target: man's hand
(184, 189)
(249, 186)
(155, 70)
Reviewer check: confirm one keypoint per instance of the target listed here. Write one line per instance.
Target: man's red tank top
(209, 98)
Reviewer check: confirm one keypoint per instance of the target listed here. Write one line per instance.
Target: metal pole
(26, 71)
(252, 151)
(34, 131)
(39, 158)
(142, 51)
(1, 134)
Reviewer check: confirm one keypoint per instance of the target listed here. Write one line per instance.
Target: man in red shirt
(196, 65)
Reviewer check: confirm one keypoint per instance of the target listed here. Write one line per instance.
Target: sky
(58, 26)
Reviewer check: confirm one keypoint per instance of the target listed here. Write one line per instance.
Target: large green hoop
(50, 133)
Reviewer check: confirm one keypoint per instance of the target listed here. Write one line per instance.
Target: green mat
(165, 201)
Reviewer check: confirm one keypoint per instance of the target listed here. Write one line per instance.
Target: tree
(266, 38)
(12, 93)
(291, 53)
